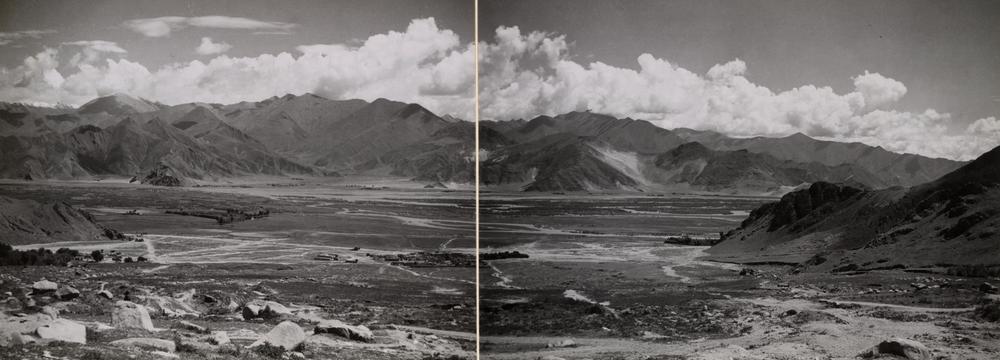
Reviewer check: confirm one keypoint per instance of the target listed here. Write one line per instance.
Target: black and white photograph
(237, 180)
(499, 179)
(739, 179)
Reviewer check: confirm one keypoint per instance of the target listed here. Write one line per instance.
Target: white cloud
(424, 64)
(208, 47)
(525, 75)
(92, 50)
(878, 90)
(10, 37)
(163, 26)
(98, 46)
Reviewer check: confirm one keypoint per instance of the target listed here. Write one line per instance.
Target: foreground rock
(67, 293)
(105, 294)
(339, 328)
(259, 309)
(287, 335)
(147, 344)
(179, 305)
(131, 315)
(906, 348)
(63, 330)
(44, 286)
(220, 337)
(187, 325)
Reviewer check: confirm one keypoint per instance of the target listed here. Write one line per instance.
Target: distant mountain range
(583, 151)
(953, 220)
(290, 135)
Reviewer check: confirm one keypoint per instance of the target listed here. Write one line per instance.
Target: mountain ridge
(756, 165)
(954, 219)
(288, 135)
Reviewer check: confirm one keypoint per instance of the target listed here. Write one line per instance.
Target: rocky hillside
(29, 222)
(952, 220)
(446, 157)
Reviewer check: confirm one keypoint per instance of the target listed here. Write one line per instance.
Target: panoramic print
(499, 179)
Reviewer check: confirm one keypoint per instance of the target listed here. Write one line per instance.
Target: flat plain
(321, 252)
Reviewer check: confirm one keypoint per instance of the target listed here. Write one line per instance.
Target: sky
(69, 52)
(911, 76)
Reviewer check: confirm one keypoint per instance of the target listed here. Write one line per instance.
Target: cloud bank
(10, 37)
(424, 64)
(163, 26)
(526, 75)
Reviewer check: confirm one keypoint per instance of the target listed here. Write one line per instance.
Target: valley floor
(600, 283)
(317, 254)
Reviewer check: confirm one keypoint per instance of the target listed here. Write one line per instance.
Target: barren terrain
(600, 282)
(318, 254)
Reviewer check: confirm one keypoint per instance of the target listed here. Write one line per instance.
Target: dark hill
(953, 220)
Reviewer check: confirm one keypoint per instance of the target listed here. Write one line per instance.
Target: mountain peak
(384, 102)
(118, 104)
(799, 136)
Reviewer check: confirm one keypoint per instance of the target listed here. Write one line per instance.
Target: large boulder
(128, 314)
(265, 310)
(67, 293)
(171, 306)
(906, 348)
(105, 294)
(287, 335)
(339, 328)
(63, 330)
(44, 286)
(146, 344)
(252, 311)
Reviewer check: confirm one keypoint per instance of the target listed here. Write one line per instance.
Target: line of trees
(60, 257)
(40, 256)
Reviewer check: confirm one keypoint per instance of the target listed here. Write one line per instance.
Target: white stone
(287, 335)
(44, 286)
(131, 315)
(63, 330)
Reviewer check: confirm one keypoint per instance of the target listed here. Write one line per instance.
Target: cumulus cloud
(878, 90)
(423, 64)
(526, 75)
(208, 47)
(163, 26)
(10, 37)
(92, 50)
